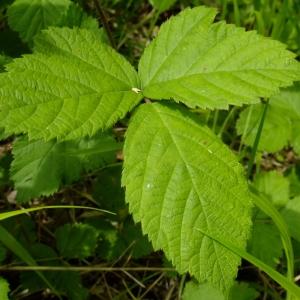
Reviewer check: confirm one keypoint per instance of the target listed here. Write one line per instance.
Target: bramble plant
(182, 183)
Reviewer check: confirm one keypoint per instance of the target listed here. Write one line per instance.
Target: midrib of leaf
(231, 56)
(199, 23)
(187, 167)
(41, 61)
(230, 72)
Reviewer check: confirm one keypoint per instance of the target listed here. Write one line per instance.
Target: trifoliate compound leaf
(213, 65)
(72, 86)
(265, 243)
(274, 185)
(162, 5)
(4, 289)
(181, 179)
(291, 214)
(39, 168)
(29, 17)
(76, 241)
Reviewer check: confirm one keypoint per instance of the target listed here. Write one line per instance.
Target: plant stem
(215, 122)
(104, 22)
(245, 132)
(226, 121)
(152, 24)
(85, 269)
(257, 138)
(224, 9)
(181, 286)
(237, 17)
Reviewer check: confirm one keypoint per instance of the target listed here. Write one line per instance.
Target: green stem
(257, 139)
(245, 132)
(226, 121)
(181, 286)
(153, 22)
(237, 17)
(215, 122)
(224, 10)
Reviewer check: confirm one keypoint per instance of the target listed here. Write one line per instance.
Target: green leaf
(39, 168)
(291, 214)
(288, 101)
(76, 241)
(194, 291)
(180, 177)
(242, 291)
(274, 185)
(296, 135)
(77, 17)
(276, 132)
(162, 5)
(213, 65)
(294, 178)
(266, 243)
(4, 289)
(282, 122)
(29, 17)
(107, 190)
(72, 86)
(70, 284)
(204, 291)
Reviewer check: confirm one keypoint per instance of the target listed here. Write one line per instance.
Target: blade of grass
(9, 214)
(14, 246)
(226, 121)
(245, 132)
(267, 207)
(257, 138)
(279, 278)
